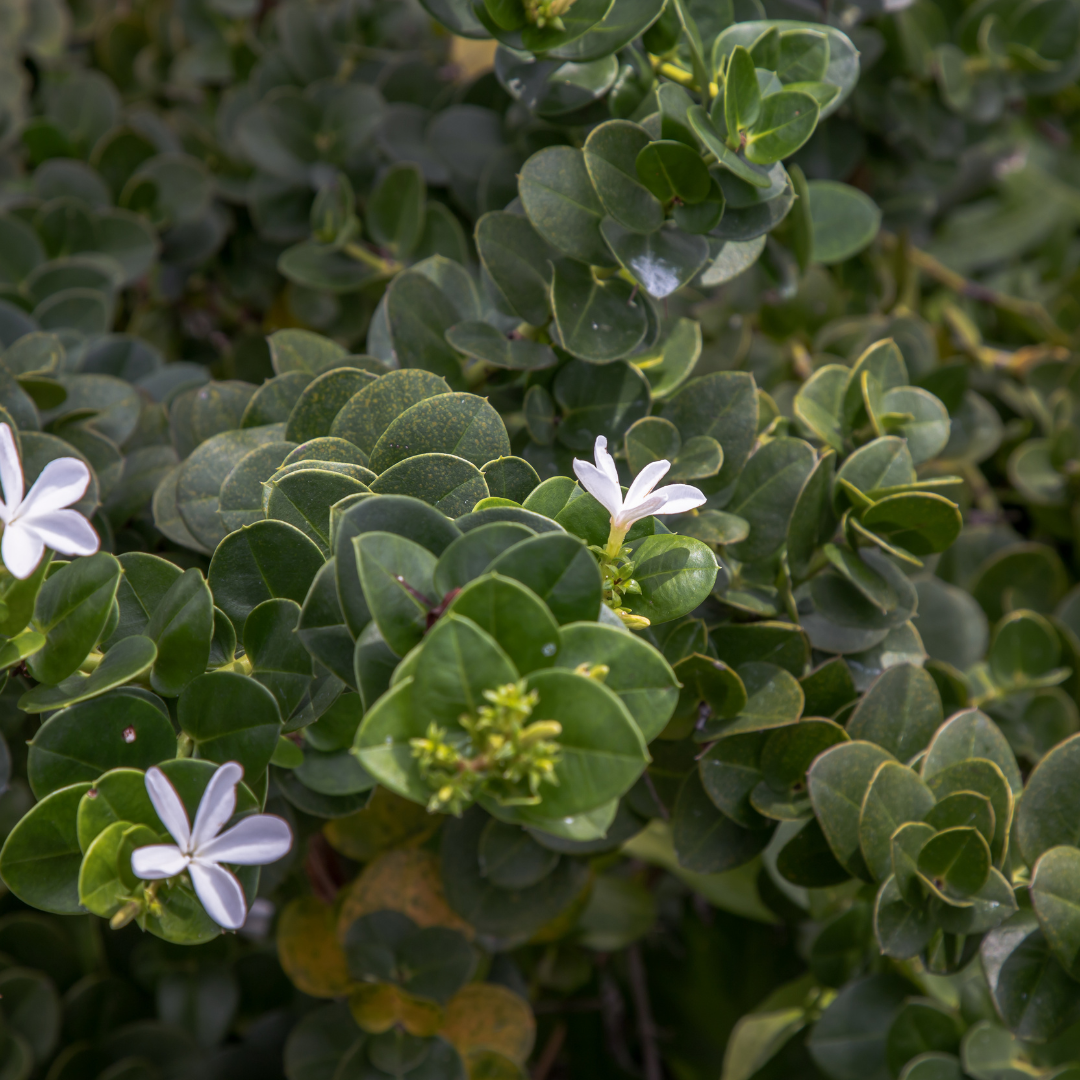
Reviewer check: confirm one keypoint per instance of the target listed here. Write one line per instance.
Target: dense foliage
(328, 296)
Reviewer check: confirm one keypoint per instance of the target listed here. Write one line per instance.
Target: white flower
(252, 841)
(41, 520)
(602, 482)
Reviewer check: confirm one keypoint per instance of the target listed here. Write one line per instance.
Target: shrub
(367, 326)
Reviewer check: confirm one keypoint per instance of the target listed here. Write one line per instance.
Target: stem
(1030, 310)
(650, 1052)
(550, 1052)
(387, 267)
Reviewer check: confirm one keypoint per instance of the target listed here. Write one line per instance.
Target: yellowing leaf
(404, 880)
(309, 951)
(388, 821)
(485, 1016)
(376, 1007)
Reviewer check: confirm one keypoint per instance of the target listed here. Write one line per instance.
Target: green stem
(388, 267)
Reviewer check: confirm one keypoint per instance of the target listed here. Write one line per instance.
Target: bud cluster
(498, 753)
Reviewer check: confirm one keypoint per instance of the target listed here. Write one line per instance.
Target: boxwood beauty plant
(540, 539)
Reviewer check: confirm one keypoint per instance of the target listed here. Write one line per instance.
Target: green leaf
(72, 610)
(510, 478)
(511, 613)
(562, 204)
(730, 771)
(676, 574)
(819, 403)
(598, 400)
(785, 122)
(396, 575)
(322, 626)
(516, 259)
(774, 698)
(1047, 816)
(972, 734)
(662, 262)
(849, 1041)
(1031, 991)
(302, 350)
(321, 400)
(469, 555)
(125, 661)
(1055, 896)
(956, 862)
(735, 163)
(461, 424)
(596, 321)
(902, 929)
(371, 411)
(963, 808)
(838, 781)
(845, 220)
(303, 499)
(457, 663)
(611, 151)
(199, 482)
(278, 658)
(83, 741)
(181, 626)
(637, 673)
(449, 483)
(804, 56)
(766, 492)
(484, 342)
(896, 796)
(493, 910)
(742, 96)
(901, 712)
(706, 840)
(395, 209)
(41, 857)
(560, 570)
(260, 561)
(885, 462)
(672, 170)
(231, 718)
(1024, 650)
(920, 521)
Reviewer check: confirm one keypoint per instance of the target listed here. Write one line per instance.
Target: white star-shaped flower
(601, 481)
(200, 850)
(41, 519)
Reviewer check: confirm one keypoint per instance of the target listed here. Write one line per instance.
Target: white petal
(169, 807)
(157, 861)
(217, 805)
(252, 841)
(11, 475)
(21, 549)
(645, 481)
(630, 514)
(599, 485)
(604, 461)
(678, 498)
(66, 531)
(61, 483)
(220, 894)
